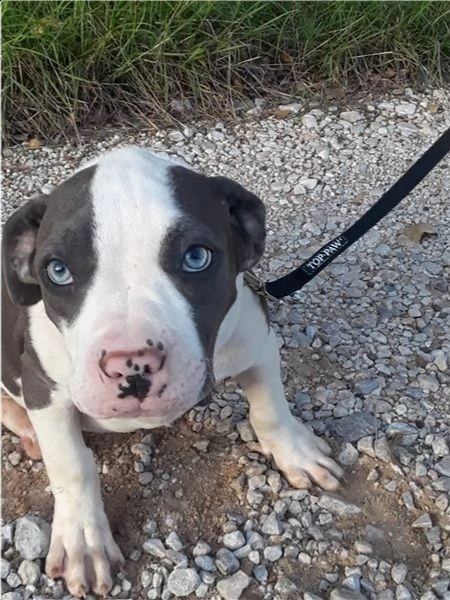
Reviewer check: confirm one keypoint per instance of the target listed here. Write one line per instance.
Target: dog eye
(197, 258)
(58, 273)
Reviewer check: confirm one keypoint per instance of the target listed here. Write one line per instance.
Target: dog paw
(82, 551)
(302, 457)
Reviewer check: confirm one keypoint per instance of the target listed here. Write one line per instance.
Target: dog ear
(18, 251)
(248, 221)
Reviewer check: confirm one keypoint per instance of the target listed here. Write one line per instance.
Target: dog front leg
(82, 549)
(298, 453)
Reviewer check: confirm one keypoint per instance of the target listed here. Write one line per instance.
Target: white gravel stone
(183, 582)
(310, 121)
(232, 587)
(5, 568)
(352, 116)
(173, 541)
(272, 525)
(201, 548)
(12, 596)
(245, 430)
(273, 553)
(155, 547)
(406, 109)
(423, 522)
(338, 507)
(233, 540)
(399, 573)
(29, 572)
(402, 593)
(346, 594)
(32, 537)
(348, 456)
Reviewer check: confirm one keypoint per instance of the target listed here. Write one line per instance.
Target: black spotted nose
(122, 364)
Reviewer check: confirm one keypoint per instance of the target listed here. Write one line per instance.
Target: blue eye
(197, 258)
(58, 273)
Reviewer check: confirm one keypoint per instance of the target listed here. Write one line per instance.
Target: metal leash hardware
(258, 286)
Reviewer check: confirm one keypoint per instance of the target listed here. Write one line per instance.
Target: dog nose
(123, 364)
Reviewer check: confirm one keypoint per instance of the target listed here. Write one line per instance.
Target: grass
(73, 63)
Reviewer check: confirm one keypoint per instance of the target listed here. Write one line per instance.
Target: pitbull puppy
(123, 300)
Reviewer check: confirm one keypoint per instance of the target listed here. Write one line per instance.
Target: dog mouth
(162, 399)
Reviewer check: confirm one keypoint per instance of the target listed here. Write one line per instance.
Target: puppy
(123, 300)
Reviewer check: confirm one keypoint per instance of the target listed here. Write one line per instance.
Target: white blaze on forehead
(133, 208)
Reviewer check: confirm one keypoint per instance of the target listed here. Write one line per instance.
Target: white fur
(80, 526)
(49, 344)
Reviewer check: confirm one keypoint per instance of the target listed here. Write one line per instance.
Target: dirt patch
(192, 494)
(202, 477)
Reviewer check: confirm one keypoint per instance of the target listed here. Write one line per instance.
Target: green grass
(71, 63)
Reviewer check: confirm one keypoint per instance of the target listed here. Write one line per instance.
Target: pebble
(406, 109)
(342, 593)
(29, 572)
(15, 458)
(443, 466)
(13, 580)
(5, 568)
(245, 431)
(233, 540)
(201, 548)
(423, 522)
(155, 547)
(381, 449)
(261, 574)
(440, 446)
(226, 562)
(272, 525)
(363, 547)
(183, 582)
(8, 533)
(399, 573)
(145, 478)
(310, 121)
(273, 553)
(150, 527)
(338, 507)
(348, 456)
(12, 596)
(174, 542)
(32, 537)
(355, 426)
(402, 593)
(205, 562)
(352, 116)
(231, 588)
(383, 250)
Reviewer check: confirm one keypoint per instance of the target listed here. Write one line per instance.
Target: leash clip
(258, 286)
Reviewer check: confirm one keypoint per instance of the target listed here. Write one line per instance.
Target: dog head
(135, 259)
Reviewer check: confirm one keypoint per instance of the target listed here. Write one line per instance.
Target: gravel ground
(365, 348)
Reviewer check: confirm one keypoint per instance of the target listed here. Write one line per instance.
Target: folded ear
(248, 221)
(18, 251)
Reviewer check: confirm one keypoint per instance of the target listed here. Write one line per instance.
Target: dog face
(135, 261)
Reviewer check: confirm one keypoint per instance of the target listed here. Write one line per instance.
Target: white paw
(301, 456)
(82, 549)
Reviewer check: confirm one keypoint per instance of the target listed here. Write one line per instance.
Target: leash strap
(295, 280)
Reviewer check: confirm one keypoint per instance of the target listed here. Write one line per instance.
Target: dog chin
(161, 410)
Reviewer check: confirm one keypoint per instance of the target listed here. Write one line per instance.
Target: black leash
(292, 282)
